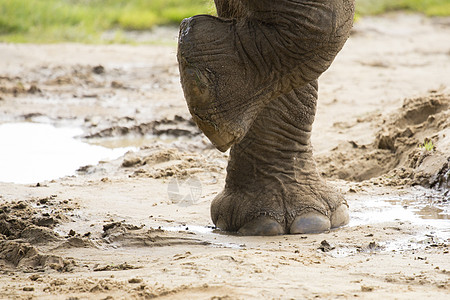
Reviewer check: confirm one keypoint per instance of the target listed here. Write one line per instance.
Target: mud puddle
(33, 152)
(422, 208)
(428, 211)
(423, 240)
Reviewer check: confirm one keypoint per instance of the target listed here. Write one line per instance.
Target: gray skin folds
(250, 82)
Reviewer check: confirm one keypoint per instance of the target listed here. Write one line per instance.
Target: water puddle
(34, 152)
(416, 242)
(422, 208)
(427, 209)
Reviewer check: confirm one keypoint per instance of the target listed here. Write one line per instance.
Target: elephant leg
(230, 9)
(272, 185)
(232, 68)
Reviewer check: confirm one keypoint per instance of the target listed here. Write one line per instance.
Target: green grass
(84, 21)
(427, 145)
(430, 8)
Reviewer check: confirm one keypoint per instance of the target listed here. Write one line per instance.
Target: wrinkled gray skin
(250, 82)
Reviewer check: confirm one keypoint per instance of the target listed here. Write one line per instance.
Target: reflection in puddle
(33, 152)
(431, 212)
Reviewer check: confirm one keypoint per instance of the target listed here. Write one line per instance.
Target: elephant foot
(262, 226)
(299, 210)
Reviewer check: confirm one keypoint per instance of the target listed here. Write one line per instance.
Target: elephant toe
(262, 226)
(340, 216)
(311, 222)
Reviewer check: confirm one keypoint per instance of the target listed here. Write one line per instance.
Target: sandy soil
(139, 226)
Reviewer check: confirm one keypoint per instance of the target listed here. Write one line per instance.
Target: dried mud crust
(176, 127)
(411, 147)
(94, 288)
(107, 97)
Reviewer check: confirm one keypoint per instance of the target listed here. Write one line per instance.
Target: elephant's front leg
(230, 9)
(273, 186)
(232, 67)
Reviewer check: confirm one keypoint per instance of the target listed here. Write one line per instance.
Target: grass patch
(43, 21)
(428, 7)
(427, 145)
(86, 20)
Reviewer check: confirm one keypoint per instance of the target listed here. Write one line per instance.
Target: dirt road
(138, 226)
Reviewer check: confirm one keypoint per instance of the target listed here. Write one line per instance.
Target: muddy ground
(139, 227)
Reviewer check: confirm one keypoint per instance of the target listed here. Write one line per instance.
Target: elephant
(249, 77)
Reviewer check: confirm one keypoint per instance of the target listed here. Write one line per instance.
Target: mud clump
(26, 232)
(20, 255)
(120, 267)
(14, 86)
(19, 220)
(325, 246)
(98, 69)
(412, 147)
